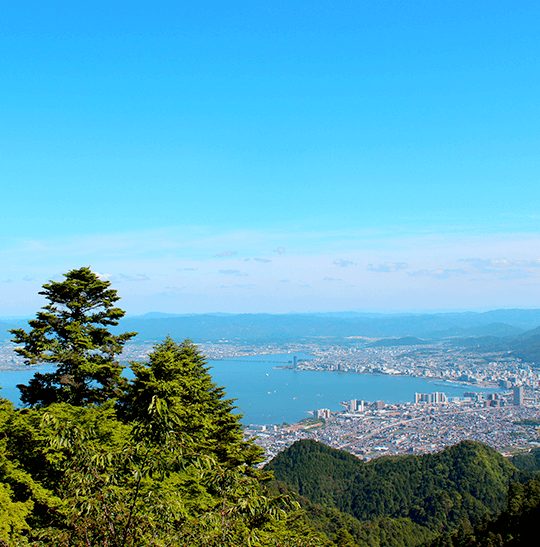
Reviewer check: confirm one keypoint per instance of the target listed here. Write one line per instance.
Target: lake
(266, 395)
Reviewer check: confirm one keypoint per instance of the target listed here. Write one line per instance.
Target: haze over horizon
(277, 157)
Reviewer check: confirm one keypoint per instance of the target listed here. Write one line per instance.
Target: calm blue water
(265, 395)
(268, 395)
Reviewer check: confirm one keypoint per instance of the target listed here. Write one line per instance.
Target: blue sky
(272, 156)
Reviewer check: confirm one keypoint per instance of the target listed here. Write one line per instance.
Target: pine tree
(174, 391)
(72, 333)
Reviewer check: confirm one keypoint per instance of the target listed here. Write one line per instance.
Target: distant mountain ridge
(513, 330)
(491, 329)
(253, 327)
(392, 342)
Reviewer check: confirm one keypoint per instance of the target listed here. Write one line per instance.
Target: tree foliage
(89, 479)
(514, 526)
(174, 392)
(101, 460)
(79, 476)
(399, 500)
(71, 332)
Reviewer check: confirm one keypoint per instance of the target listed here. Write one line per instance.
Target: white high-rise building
(437, 397)
(356, 405)
(323, 413)
(518, 395)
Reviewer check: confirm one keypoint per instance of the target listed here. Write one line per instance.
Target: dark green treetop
(174, 391)
(72, 333)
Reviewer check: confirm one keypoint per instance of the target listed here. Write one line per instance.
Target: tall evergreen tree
(72, 333)
(174, 391)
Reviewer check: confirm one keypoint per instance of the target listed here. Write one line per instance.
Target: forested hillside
(514, 526)
(401, 500)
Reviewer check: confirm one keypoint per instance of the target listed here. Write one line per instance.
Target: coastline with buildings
(508, 423)
(497, 393)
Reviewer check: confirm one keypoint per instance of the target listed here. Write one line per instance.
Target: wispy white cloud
(343, 263)
(167, 256)
(388, 267)
(482, 269)
(265, 260)
(503, 268)
(125, 277)
(175, 288)
(489, 265)
(226, 253)
(326, 278)
(441, 273)
(233, 272)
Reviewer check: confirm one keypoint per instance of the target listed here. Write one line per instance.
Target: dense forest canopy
(405, 501)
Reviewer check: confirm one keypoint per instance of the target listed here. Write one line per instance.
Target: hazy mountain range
(293, 326)
(514, 330)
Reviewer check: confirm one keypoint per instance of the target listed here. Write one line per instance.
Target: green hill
(498, 330)
(514, 526)
(392, 342)
(431, 493)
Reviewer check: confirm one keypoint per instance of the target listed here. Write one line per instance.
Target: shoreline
(454, 383)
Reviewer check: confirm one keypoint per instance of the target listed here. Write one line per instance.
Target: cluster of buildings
(429, 398)
(508, 422)
(441, 360)
(370, 430)
(515, 397)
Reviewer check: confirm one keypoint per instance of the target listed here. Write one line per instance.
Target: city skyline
(272, 158)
